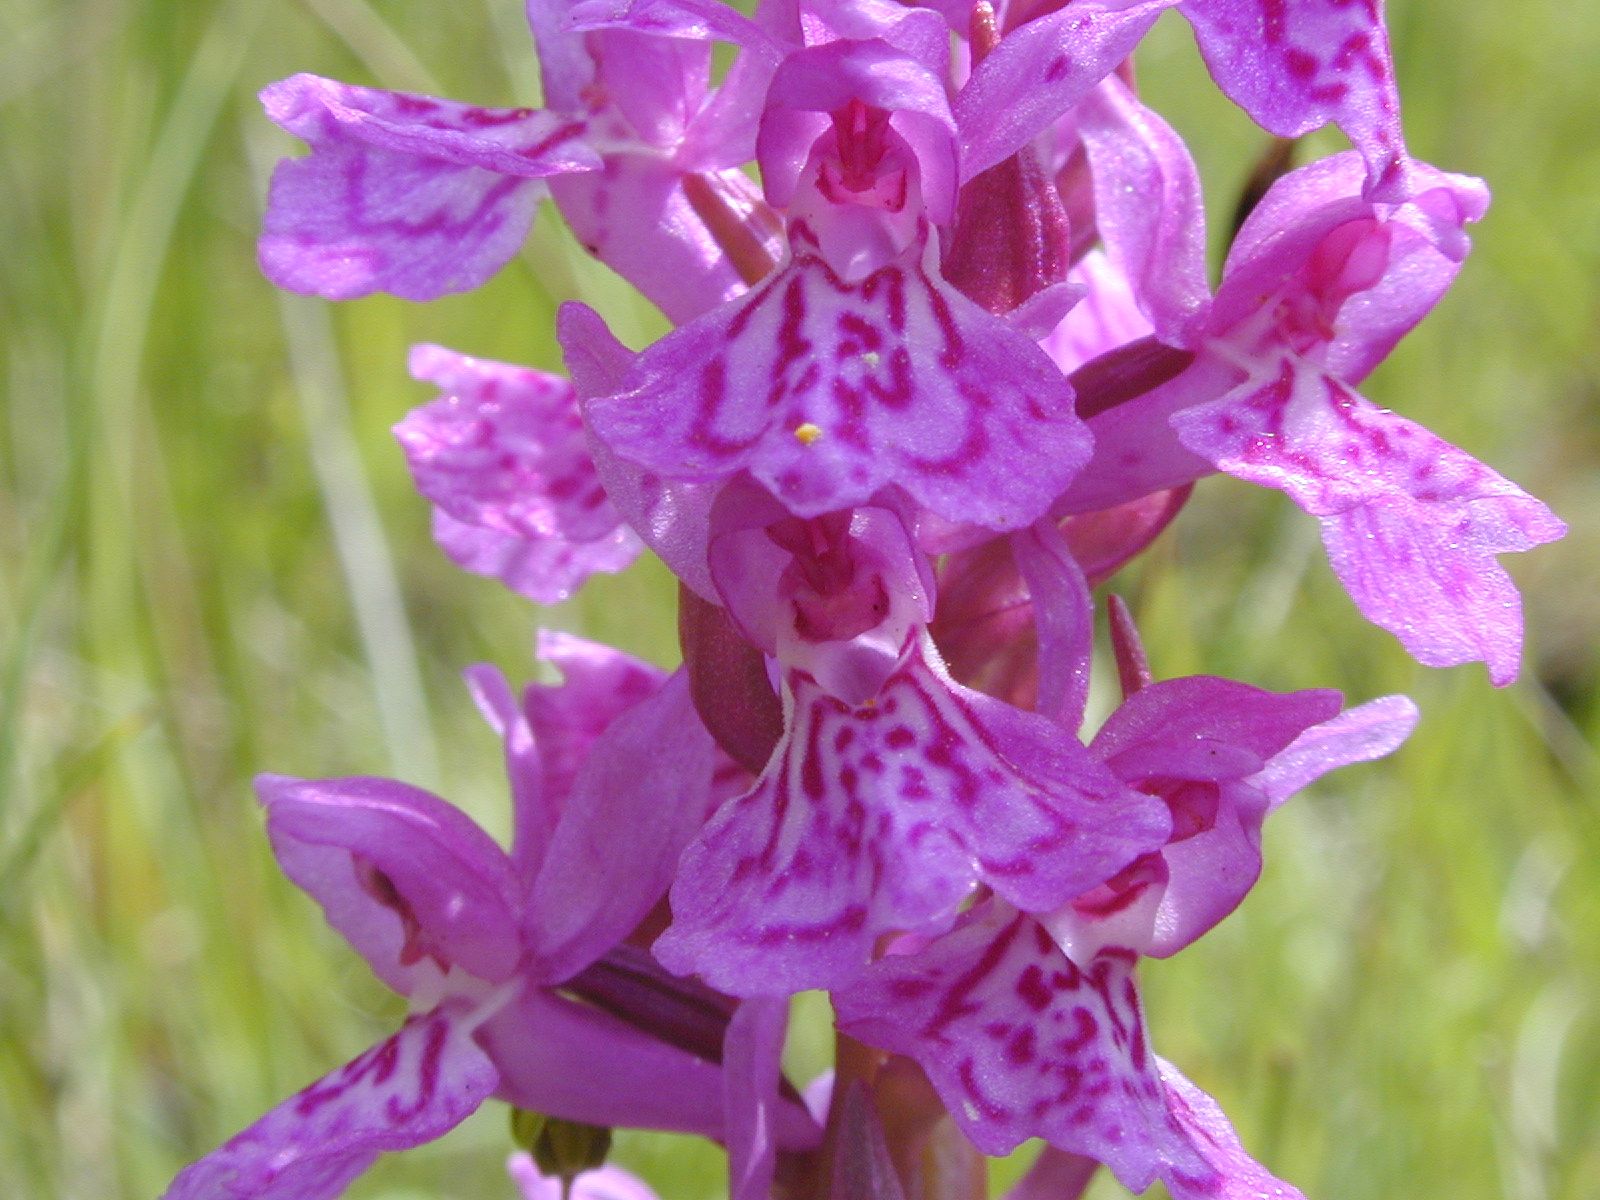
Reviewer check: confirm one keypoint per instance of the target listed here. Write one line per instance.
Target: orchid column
(951, 365)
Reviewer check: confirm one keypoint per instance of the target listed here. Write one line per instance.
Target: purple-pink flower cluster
(950, 365)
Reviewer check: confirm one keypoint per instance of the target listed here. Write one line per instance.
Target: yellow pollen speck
(807, 433)
(872, 358)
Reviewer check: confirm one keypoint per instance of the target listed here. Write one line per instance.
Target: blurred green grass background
(212, 564)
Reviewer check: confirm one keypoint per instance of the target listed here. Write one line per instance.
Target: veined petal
(905, 82)
(503, 446)
(403, 875)
(1232, 1174)
(565, 66)
(1200, 743)
(915, 30)
(1041, 70)
(404, 194)
(884, 818)
(656, 84)
(1284, 227)
(502, 454)
(1296, 66)
(722, 133)
(408, 1089)
(527, 143)
(1412, 525)
(547, 570)
(828, 392)
(1019, 1042)
(698, 20)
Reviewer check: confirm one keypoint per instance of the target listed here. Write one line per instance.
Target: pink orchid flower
(419, 196)
(1030, 1025)
(515, 968)
(893, 792)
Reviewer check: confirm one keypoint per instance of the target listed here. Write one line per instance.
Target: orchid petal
(1019, 1042)
(642, 793)
(634, 216)
(722, 133)
(534, 810)
(1232, 1174)
(403, 875)
(673, 518)
(597, 361)
(599, 684)
(1106, 318)
(1063, 615)
(1202, 727)
(1349, 278)
(1148, 209)
(565, 66)
(1296, 66)
(657, 84)
(1041, 70)
(849, 641)
(1362, 734)
(913, 29)
(503, 457)
(546, 570)
(697, 20)
(408, 1089)
(885, 818)
(404, 194)
(823, 79)
(503, 445)
(1412, 525)
(1200, 743)
(828, 391)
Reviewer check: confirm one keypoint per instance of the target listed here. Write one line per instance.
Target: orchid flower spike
(945, 357)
